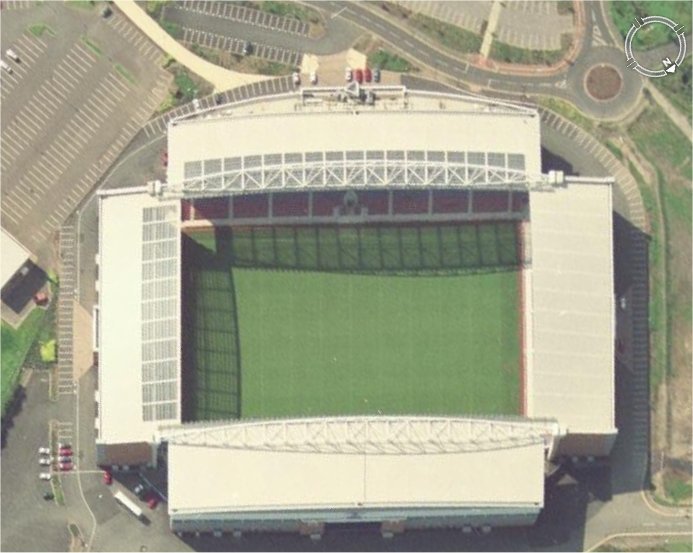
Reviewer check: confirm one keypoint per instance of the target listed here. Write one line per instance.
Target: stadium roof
(375, 470)
(571, 372)
(139, 312)
(13, 256)
(416, 128)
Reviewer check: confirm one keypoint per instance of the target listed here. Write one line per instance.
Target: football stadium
(355, 306)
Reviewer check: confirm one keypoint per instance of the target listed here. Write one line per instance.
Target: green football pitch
(430, 326)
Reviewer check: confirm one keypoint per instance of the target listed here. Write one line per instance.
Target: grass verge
(388, 61)
(16, 344)
(289, 9)
(39, 29)
(93, 46)
(511, 54)
(452, 37)
(125, 73)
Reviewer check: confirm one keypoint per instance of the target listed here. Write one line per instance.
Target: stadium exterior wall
(414, 518)
(596, 445)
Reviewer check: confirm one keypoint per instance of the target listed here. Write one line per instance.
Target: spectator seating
(490, 201)
(450, 201)
(290, 204)
(324, 203)
(212, 208)
(185, 210)
(254, 206)
(520, 201)
(375, 201)
(405, 202)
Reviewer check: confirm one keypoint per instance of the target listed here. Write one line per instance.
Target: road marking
(337, 13)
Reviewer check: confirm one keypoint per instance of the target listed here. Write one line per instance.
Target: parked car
(196, 104)
(107, 478)
(153, 501)
(367, 75)
(296, 78)
(12, 55)
(247, 48)
(219, 99)
(44, 450)
(376, 75)
(65, 452)
(65, 459)
(139, 490)
(358, 75)
(6, 66)
(44, 476)
(45, 461)
(48, 496)
(64, 445)
(313, 78)
(65, 466)
(348, 75)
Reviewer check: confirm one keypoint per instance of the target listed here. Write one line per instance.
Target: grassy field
(376, 319)
(332, 344)
(624, 13)
(15, 346)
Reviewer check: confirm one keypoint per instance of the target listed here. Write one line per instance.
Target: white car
(623, 302)
(12, 55)
(44, 451)
(348, 74)
(313, 78)
(296, 78)
(45, 476)
(196, 104)
(6, 67)
(45, 461)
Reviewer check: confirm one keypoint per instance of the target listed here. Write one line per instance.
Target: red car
(107, 478)
(359, 75)
(65, 466)
(65, 452)
(152, 502)
(367, 75)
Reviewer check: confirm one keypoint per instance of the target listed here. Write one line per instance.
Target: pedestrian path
(220, 78)
(65, 384)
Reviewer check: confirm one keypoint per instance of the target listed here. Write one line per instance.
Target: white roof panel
(125, 336)
(573, 306)
(13, 256)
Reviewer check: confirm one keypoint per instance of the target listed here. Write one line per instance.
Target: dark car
(367, 76)
(48, 496)
(247, 48)
(376, 75)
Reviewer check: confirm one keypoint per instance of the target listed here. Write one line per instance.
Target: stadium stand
(325, 203)
(489, 201)
(290, 204)
(450, 201)
(186, 210)
(520, 201)
(251, 207)
(376, 202)
(405, 202)
(212, 208)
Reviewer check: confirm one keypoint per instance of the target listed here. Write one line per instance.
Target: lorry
(130, 505)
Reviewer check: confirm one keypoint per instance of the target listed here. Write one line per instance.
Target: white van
(12, 55)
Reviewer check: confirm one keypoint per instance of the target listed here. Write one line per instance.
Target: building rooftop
(139, 315)
(572, 306)
(13, 256)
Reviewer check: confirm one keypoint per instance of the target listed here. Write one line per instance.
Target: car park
(367, 75)
(107, 478)
(358, 75)
(376, 75)
(44, 476)
(348, 75)
(44, 451)
(313, 78)
(296, 78)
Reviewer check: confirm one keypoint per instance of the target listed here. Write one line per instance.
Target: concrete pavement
(220, 78)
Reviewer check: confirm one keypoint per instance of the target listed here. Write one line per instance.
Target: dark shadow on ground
(552, 162)
(14, 407)
(21, 288)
